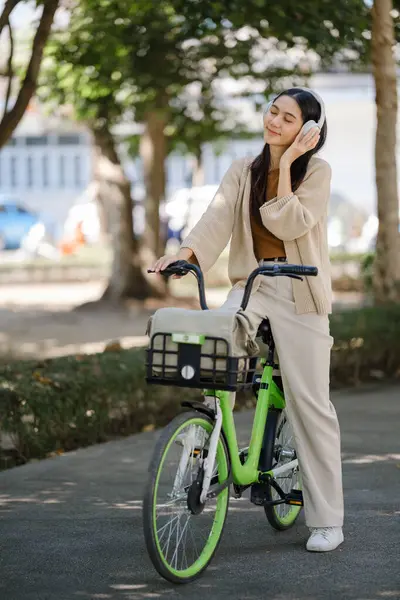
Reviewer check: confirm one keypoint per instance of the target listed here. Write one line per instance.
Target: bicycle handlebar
(182, 267)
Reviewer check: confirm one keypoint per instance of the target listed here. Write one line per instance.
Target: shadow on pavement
(71, 526)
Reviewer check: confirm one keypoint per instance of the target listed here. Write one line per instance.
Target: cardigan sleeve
(292, 216)
(213, 231)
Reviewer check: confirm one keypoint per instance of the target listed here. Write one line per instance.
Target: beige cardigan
(299, 219)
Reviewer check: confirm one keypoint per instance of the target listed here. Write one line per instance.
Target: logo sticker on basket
(187, 372)
(188, 338)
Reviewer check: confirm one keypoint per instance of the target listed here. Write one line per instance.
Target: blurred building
(47, 164)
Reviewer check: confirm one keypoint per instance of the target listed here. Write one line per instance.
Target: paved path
(70, 527)
(37, 320)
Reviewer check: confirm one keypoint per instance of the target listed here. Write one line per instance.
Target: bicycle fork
(189, 447)
(209, 461)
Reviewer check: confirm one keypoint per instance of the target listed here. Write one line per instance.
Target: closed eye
(275, 112)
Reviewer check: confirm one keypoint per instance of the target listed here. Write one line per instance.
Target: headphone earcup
(307, 126)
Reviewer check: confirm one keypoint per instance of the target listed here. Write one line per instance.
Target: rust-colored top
(265, 243)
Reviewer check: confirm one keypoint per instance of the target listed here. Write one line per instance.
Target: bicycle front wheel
(181, 534)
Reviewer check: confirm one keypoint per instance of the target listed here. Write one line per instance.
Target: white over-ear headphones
(309, 124)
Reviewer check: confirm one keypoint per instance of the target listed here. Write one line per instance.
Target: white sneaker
(323, 539)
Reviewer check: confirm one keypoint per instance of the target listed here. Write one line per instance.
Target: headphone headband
(316, 96)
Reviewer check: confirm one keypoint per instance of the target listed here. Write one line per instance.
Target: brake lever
(291, 275)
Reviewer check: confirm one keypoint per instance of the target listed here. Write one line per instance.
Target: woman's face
(282, 122)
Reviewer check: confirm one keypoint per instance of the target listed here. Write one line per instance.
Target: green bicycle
(197, 457)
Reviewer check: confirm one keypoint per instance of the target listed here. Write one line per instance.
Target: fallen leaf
(41, 379)
(149, 427)
(113, 347)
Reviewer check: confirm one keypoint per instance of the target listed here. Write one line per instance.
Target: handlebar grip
(179, 267)
(299, 270)
(182, 267)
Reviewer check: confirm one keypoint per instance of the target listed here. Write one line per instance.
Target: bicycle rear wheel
(181, 534)
(280, 450)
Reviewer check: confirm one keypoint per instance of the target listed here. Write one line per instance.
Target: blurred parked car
(15, 223)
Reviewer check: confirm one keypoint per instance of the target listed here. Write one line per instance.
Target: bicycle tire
(159, 557)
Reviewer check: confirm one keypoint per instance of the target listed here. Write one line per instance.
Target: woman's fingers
(311, 139)
(311, 135)
(159, 264)
(163, 262)
(315, 139)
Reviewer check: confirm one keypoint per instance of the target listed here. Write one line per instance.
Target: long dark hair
(310, 110)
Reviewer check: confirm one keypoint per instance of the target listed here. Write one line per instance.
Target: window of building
(77, 171)
(61, 170)
(69, 139)
(36, 140)
(13, 171)
(29, 171)
(45, 171)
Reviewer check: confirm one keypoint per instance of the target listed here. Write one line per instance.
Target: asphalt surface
(70, 526)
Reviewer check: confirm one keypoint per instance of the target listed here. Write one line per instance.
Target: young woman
(275, 209)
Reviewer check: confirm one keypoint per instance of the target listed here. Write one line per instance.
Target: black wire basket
(197, 365)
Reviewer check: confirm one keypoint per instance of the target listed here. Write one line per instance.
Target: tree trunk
(8, 7)
(386, 279)
(12, 118)
(153, 151)
(198, 168)
(129, 264)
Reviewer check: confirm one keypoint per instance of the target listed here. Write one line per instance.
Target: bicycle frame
(247, 473)
(269, 395)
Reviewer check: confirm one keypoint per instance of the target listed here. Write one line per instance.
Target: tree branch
(7, 10)
(12, 118)
(10, 72)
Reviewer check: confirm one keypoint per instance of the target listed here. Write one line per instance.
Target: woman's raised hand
(302, 144)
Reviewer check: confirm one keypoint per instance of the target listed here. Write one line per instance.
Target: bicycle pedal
(196, 450)
(295, 498)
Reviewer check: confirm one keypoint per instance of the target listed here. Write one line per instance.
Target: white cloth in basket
(211, 323)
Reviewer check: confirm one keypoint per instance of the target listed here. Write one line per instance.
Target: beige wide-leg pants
(303, 345)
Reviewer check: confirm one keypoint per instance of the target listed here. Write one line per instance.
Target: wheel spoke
(164, 527)
(171, 532)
